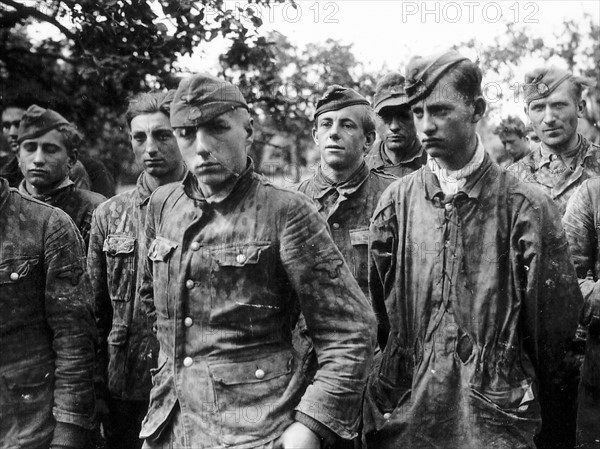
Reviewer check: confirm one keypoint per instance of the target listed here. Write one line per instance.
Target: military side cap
(390, 92)
(541, 82)
(338, 97)
(38, 121)
(201, 98)
(423, 73)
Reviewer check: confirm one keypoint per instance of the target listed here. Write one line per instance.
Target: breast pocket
(160, 253)
(241, 283)
(120, 265)
(20, 276)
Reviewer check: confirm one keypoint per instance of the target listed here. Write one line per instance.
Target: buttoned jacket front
(46, 324)
(477, 300)
(534, 168)
(221, 281)
(128, 348)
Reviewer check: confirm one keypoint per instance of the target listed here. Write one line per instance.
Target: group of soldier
(411, 293)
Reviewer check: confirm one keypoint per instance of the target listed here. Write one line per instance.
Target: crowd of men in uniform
(412, 293)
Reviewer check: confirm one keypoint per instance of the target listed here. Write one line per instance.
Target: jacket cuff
(69, 435)
(325, 433)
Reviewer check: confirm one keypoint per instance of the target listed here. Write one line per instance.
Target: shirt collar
(143, 189)
(47, 197)
(347, 187)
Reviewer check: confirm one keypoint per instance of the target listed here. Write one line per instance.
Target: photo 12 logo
(453, 12)
(290, 12)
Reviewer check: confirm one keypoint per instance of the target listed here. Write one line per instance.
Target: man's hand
(298, 436)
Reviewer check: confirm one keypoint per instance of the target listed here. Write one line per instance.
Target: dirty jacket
(348, 208)
(582, 227)
(79, 204)
(535, 168)
(46, 326)
(128, 348)
(378, 160)
(476, 300)
(220, 280)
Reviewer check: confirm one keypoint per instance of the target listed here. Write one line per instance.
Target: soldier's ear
(72, 160)
(249, 131)
(371, 135)
(479, 109)
(314, 135)
(581, 108)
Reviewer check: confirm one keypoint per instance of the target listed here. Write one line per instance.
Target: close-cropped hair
(511, 125)
(148, 103)
(72, 138)
(466, 78)
(368, 119)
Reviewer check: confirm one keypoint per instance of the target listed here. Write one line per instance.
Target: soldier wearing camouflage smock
(564, 158)
(47, 329)
(127, 345)
(229, 256)
(47, 151)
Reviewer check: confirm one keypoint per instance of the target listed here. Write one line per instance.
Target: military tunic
(221, 279)
(47, 330)
(377, 159)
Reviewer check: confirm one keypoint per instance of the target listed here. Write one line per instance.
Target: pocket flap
(118, 244)
(117, 335)
(359, 236)
(252, 371)
(239, 255)
(13, 269)
(160, 249)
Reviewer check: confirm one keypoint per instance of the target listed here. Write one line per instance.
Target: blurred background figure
(511, 132)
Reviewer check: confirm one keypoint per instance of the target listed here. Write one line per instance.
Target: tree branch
(23, 11)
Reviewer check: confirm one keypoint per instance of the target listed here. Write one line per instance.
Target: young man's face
(154, 144)
(396, 128)
(554, 118)
(516, 146)
(45, 161)
(446, 123)
(532, 140)
(341, 139)
(11, 118)
(216, 151)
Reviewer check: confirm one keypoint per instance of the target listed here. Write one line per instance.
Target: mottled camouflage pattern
(582, 227)
(128, 348)
(476, 299)
(77, 203)
(535, 169)
(235, 268)
(348, 208)
(378, 160)
(47, 330)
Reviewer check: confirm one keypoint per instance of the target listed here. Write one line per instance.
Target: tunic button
(449, 207)
(195, 246)
(189, 284)
(240, 258)
(187, 362)
(14, 276)
(336, 226)
(387, 416)
(259, 374)
(188, 322)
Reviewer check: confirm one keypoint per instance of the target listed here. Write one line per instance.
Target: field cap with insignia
(38, 121)
(337, 97)
(390, 92)
(423, 73)
(541, 82)
(201, 98)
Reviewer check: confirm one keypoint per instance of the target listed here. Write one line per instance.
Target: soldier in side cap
(128, 348)
(345, 189)
(48, 147)
(229, 257)
(471, 281)
(397, 149)
(564, 158)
